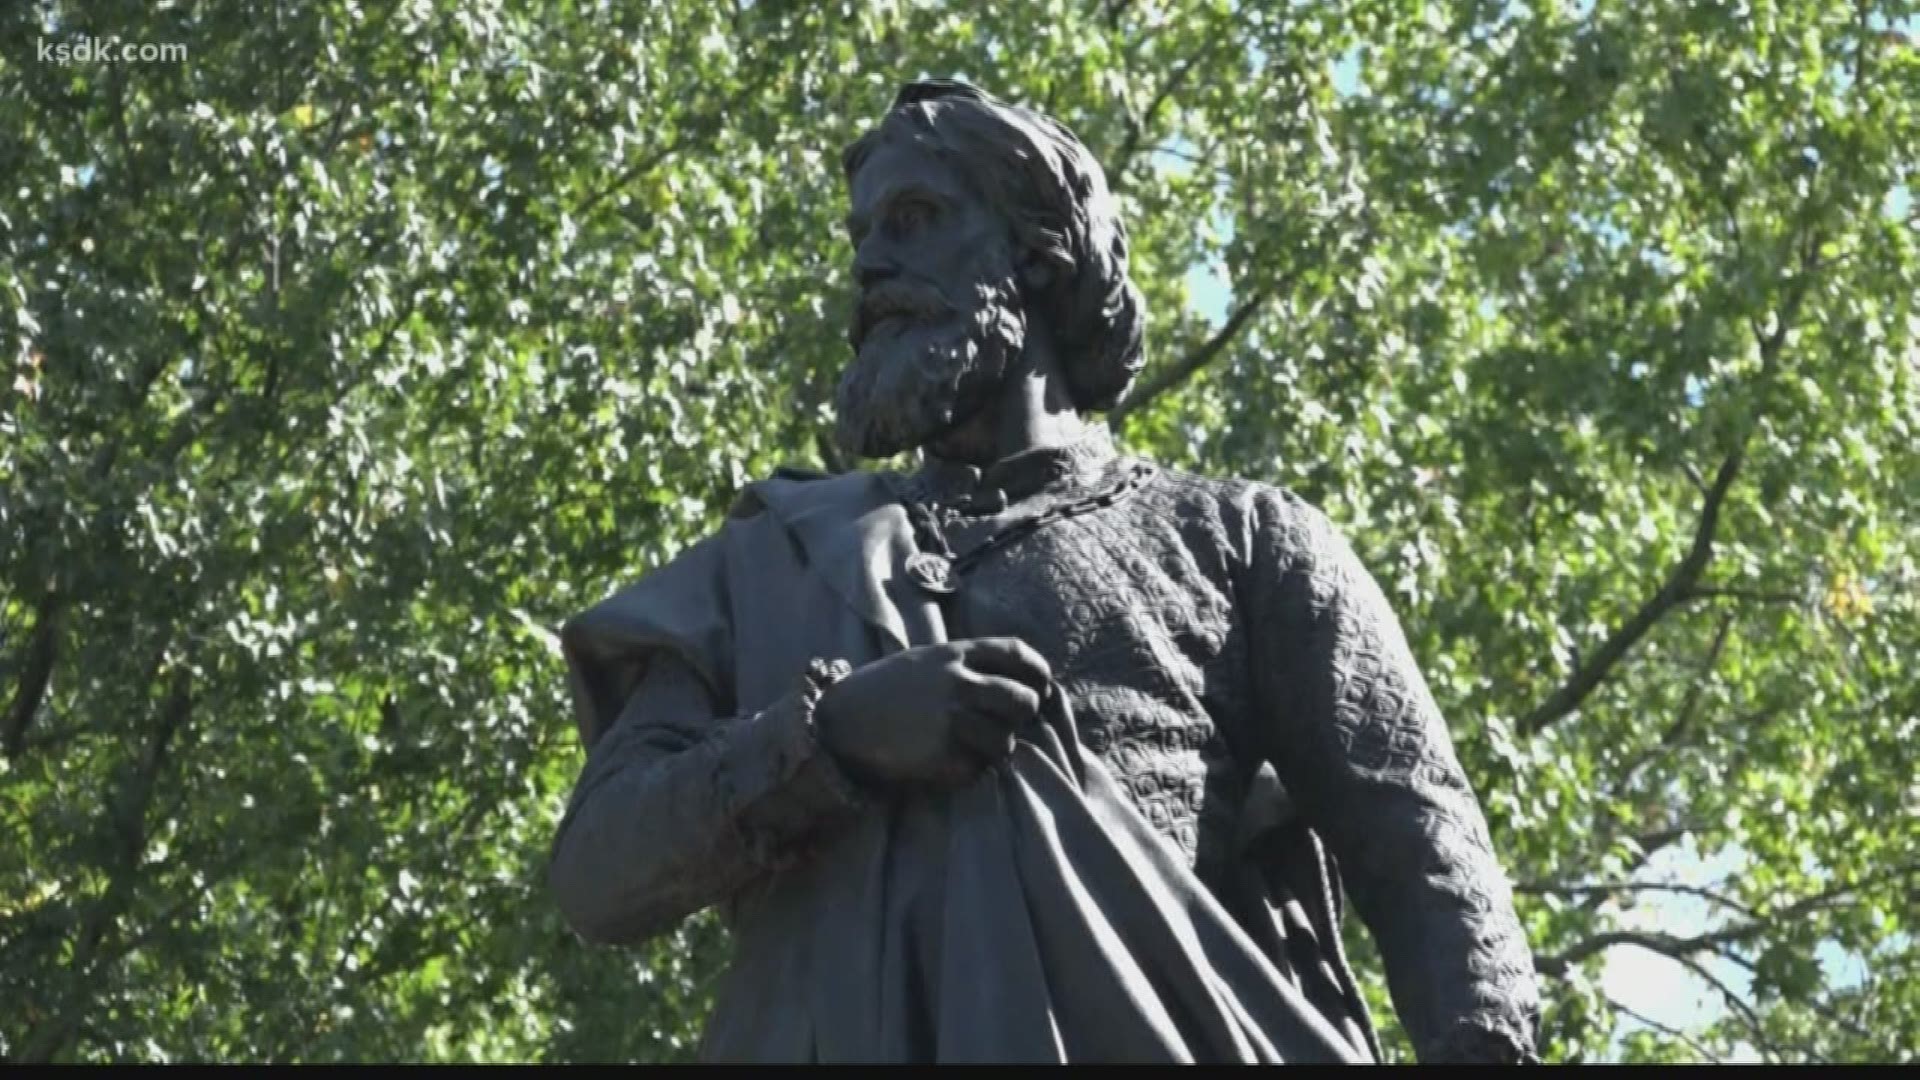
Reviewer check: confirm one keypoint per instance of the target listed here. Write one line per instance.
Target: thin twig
(1689, 708)
(1748, 1015)
(1734, 592)
(1671, 1032)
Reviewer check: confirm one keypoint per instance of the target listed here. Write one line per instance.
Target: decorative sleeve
(677, 810)
(1354, 733)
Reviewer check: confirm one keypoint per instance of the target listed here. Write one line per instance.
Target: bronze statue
(1037, 752)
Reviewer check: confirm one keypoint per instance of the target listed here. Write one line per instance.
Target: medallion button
(931, 572)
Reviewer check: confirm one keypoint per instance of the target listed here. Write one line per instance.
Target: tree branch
(713, 122)
(830, 455)
(1671, 1032)
(126, 819)
(1746, 1011)
(1649, 844)
(1693, 477)
(36, 675)
(1137, 125)
(1689, 708)
(210, 880)
(1862, 13)
(1734, 592)
(1685, 576)
(1608, 888)
(47, 740)
(1681, 948)
(1557, 964)
(1183, 369)
(1679, 583)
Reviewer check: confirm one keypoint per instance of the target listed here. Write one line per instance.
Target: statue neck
(1034, 411)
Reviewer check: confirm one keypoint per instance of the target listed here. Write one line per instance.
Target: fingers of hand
(984, 735)
(990, 710)
(1011, 700)
(1010, 658)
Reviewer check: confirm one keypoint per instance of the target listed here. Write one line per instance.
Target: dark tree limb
(830, 455)
(1685, 576)
(1689, 708)
(1680, 948)
(1650, 844)
(1675, 590)
(1171, 376)
(1137, 126)
(36, 674)
(1610, 888)
(710, 125)
(126, 819)
(1558, 964)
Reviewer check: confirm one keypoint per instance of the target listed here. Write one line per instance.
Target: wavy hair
(1039, 177)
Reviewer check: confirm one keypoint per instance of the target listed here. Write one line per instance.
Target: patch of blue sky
(1609, 233)
(1209, 293)
(1658, 986)
(1346, 74)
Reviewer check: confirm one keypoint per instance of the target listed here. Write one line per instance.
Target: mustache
(913, 300)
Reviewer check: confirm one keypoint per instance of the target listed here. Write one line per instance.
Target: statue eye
(912, 215)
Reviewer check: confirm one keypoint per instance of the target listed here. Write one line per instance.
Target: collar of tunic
(970, 490)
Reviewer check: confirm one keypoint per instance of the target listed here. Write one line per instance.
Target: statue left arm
(1361, 744)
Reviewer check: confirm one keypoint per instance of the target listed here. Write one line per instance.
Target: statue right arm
(678, 809)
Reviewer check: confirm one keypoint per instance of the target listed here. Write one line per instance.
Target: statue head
(972, 222)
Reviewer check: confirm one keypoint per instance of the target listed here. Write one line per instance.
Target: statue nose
(874, 259)
(870, 273)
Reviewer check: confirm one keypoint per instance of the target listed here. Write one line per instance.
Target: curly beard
(924, 365)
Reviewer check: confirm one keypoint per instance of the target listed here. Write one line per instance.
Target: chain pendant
(932, 572)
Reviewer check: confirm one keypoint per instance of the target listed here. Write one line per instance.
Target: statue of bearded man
(1038, 751)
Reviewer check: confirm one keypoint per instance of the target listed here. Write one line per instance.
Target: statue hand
(934, 714)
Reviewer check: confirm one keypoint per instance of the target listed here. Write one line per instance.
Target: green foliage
(349, 355)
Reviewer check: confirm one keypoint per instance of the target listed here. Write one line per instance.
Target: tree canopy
(349, 355)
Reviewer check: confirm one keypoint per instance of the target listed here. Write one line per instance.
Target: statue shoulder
(1263, 520)
(785, 482)
(810, 498)
(1253, 503)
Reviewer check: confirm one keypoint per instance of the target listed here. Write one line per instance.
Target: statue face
(938, 320)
